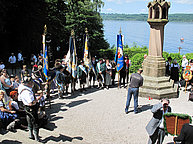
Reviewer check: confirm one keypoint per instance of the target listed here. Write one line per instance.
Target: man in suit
(186, 134)
(155, 127)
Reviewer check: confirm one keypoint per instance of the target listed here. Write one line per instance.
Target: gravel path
(98, 117)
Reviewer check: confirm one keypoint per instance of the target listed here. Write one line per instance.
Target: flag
(86, 52)
(116, 50)
(119, 59)
(74, 59)
(71, 58)
(45, 63)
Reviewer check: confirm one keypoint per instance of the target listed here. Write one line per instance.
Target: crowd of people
(22, 97)
(173, 69)
(23, 94)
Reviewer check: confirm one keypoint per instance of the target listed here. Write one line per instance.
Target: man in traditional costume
(168, 66)
(92, 73)
(101, 69)
(82, 75)
(155, 127)
(175, 68)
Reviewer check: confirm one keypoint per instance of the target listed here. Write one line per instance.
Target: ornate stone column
(156, 84)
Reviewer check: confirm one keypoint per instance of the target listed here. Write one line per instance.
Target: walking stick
(176, 122)
(186, 86)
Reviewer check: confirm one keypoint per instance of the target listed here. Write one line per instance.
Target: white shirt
(175, 65)
(12, 59)
(26, 96)
(184, 63)
(20, 57)
(15, 105)
(2, 66)
(162, 121)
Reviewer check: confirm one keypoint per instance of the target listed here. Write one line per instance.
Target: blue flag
(119, 59)
(45, 66)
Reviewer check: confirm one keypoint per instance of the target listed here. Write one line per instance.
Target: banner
(45, 63)
(71, 58)
(119, 59)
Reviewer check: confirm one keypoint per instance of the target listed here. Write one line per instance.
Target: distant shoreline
(143, 17)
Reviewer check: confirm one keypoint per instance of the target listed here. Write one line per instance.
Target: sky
(140, 6)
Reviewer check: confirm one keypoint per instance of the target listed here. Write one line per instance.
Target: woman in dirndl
(108, 74)
(6, 116)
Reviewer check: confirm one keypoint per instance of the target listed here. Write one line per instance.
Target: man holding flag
(87, 60)
(71, 60)
(119, 59)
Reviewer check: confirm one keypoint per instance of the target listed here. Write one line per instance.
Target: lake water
(139, 32)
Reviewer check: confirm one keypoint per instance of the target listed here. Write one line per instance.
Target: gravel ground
(98, 117)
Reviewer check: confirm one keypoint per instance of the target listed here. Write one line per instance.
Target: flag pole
(47, 83)
(72, 85)
(88, 60)
(119, 71)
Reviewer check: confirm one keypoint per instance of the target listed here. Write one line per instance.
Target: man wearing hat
(175, 68)
(101, 69)
(28, 98)
(82, 73)
(12, 61)
(136, 81)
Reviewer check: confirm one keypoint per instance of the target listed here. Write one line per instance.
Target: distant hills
(143, 17)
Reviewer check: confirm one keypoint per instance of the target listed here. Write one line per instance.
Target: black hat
(191, 61)
(12, 76)
(60, 66)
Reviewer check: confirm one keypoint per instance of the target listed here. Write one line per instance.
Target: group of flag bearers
(88, 69)
(65, 71)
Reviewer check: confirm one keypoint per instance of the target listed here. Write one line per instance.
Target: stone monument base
(158, 88)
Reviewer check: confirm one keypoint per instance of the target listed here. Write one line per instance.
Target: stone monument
(156, 84)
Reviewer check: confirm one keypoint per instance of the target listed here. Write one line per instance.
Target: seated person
(186, 134)
(7, 116)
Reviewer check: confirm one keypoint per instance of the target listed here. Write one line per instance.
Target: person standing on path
(136, 81)
(155, 128)
(12, 61)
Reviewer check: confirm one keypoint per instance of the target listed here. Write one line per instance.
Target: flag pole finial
(72, 33)
(120, 31)
(86, 30)
(45, 29)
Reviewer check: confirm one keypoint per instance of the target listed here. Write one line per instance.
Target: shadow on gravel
(10, 142)
(142, 108)
(145, 107)
(62, 138)
(75, 103)
(55, 108)
(78, 93)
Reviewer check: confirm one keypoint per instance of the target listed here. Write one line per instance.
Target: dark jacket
(186, 135)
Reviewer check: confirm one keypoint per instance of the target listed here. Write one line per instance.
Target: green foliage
(143, 17)
(22, 22)
(136, 62)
